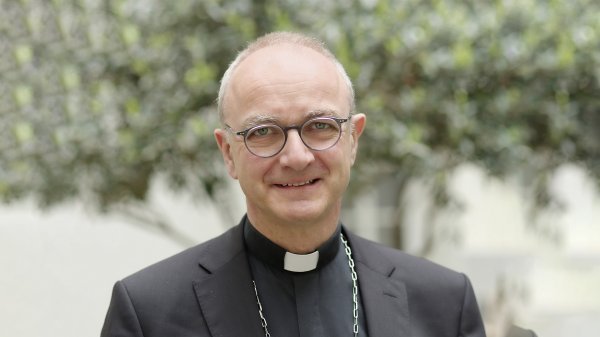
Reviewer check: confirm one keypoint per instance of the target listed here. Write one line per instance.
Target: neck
(296, 237)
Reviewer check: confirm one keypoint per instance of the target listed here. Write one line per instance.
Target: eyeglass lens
(318, 134)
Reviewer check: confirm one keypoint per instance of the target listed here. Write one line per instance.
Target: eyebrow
(267, 119)
(321, 113)
(259, 120)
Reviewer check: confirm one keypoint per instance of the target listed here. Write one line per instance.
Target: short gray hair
(276, 38)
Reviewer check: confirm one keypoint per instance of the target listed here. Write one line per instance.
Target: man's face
(288, 84)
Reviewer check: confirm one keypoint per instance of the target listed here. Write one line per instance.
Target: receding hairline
(274, 39)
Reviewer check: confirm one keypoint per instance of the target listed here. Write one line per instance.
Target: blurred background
(482, 147)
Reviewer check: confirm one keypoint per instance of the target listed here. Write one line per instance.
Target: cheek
(250, 169)
(347, 153)
(338, 162)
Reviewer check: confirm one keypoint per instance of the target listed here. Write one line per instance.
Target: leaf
(23, 132)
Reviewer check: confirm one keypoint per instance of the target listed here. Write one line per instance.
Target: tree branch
(146, 218)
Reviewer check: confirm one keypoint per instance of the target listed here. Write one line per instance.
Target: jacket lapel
(225, 294)
(384, 298)
(228, 303)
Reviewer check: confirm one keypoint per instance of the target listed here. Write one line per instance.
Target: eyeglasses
(268, 140)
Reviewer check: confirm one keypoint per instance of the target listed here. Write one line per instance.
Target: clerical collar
(269, 252)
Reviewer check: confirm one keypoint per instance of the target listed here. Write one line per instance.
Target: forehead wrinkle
(259, 89)
(262, 119)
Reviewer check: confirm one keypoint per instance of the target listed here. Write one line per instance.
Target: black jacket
(207, 291)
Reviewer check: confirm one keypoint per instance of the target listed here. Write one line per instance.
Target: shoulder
(188, 264)
(440, 300)
(416, 272)
(166, 289)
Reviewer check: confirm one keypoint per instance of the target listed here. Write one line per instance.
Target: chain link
(354, 285)
(263, 320)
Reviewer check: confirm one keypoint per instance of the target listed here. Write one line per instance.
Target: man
(290, 268)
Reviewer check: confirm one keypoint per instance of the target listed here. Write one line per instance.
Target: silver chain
(348, 251)
(354, 285)
(263, 321)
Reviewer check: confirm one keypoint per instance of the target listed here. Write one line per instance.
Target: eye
(261, 131)
(320, 125)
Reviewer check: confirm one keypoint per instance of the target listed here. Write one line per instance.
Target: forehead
(287, 83)
(260, 119)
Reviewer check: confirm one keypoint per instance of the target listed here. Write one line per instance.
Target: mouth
(300, 184)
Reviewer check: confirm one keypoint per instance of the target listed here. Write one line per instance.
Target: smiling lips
(297, 184)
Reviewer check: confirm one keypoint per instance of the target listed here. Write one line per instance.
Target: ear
(358, 125)
(225, 147)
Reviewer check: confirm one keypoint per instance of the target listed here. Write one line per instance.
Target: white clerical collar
(269, 252)
(300, 263)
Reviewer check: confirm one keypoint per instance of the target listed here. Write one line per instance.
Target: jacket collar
(225, 293)
(228, 303)
(384, 297)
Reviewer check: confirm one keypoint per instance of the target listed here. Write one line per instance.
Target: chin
(303, 213)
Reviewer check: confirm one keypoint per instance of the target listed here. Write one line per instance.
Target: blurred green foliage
(98, 97)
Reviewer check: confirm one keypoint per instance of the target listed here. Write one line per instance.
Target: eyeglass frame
(285, 129)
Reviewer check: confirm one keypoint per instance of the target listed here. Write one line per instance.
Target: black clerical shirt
(316, 303)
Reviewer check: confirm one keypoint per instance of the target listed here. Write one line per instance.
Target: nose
(295, 154)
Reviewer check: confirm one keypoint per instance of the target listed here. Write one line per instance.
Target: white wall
(519, 271)
(58, 267)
